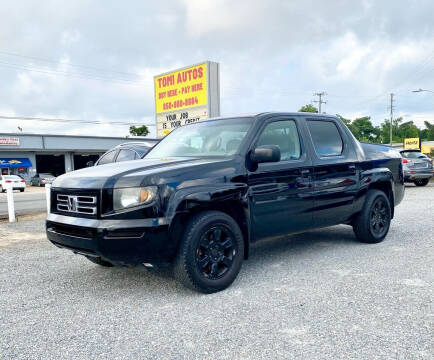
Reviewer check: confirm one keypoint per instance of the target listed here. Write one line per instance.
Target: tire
(421, 182)
(211, 252)
(21, 190)
(372, 224)
(1, 189)
(99, 261)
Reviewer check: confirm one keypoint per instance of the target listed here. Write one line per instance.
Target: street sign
(411, 143)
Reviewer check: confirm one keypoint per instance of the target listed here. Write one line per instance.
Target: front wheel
(421, 182)
(211, 252)
(372, 224)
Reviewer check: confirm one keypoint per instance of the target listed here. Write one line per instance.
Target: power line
(76, 121)
(422, 68)
(71, 65)
(66, 73)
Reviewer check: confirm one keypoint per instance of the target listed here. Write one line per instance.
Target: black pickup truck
(208, 190)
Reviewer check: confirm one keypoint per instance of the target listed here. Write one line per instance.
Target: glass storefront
(16, 166)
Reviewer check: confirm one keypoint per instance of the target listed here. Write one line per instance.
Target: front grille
(75, 202)
(78, 204)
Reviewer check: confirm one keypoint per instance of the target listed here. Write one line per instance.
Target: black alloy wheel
(372, 224)
(421, 182)
(211, 252)
(379, 217)
(215, 252)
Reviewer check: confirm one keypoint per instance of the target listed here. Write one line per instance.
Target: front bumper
(121, 242)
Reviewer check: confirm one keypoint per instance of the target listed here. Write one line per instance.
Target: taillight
(23, 180)
(8, 181)
(406, 161)
(43, 179)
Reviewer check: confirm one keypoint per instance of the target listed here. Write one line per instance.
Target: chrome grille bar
(79, 204)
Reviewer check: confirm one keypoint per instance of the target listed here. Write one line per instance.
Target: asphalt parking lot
(318, 295)
(31, 200)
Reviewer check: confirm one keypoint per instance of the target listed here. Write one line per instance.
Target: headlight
(130, 197)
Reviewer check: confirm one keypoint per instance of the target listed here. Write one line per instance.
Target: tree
(429, 130)
(408, 130)
(385, 131)
(362, 128)
(139, 131)
(308, 108)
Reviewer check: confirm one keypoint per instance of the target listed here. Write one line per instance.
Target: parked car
(124, 152)
(418, 167)
(42, 179)
(208, 190)
(15, 180)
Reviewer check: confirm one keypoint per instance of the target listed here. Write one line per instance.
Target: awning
(15, 162)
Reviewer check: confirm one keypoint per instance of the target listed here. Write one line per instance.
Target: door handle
(305, 172)
(352, 168)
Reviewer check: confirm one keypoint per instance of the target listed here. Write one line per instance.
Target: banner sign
(186, 95)
(15, 162)
(9, 141)
(411, 143)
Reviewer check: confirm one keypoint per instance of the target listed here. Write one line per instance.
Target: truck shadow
(263, 254)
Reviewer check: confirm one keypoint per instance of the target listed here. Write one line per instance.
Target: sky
(95, 60)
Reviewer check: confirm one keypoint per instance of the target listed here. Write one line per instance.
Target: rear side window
(125, 155)
(413, 155)
(326, 138)
(107, 158)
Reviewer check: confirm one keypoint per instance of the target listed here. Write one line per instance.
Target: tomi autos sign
(9, 141)
(186, 95)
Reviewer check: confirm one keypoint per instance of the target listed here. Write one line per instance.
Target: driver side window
(284, 134)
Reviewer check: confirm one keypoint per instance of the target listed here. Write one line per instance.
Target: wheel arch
(386, 187)
(233, 208)
(376, 179)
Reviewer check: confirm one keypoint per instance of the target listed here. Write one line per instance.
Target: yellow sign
(411, 143)
(181, 89)
(426, 149)
(167, 122)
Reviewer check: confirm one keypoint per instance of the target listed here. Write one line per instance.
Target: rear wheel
(372, 223)
(421, 182)
(211, 252)
(99, 261)
(22, 190)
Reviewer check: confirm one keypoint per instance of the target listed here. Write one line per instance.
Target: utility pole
(320, 101)
(391, 116)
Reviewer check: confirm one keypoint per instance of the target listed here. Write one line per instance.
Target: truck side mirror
(90, 164)
(265, 153)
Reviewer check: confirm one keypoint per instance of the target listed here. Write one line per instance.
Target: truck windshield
(205, 139)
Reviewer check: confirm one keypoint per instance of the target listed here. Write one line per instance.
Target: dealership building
(28, 154)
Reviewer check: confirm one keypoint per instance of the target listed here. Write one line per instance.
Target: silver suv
(417, 167)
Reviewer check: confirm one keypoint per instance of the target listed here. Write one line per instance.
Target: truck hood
(131, 173)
